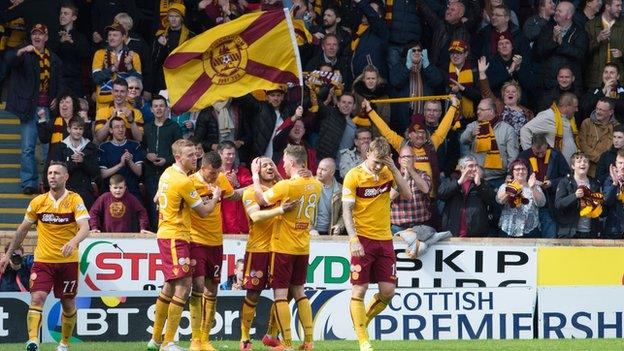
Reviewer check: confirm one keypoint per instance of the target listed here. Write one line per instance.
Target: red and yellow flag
(255, 51)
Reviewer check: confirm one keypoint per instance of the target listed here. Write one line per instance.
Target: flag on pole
(257, 51)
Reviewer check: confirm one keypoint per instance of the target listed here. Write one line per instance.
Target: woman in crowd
(521, 197)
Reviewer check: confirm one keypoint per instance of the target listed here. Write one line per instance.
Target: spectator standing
(493, 142)
(329, 209)
(501, 26)
(467, 199)
(234, 220)
(561, 43)
(80, 156)
(557, 123)
(534, 24)
(352, 157)
(614, 199)
(159, 135)
(121, 156)
(72, 48)
(521, 198)
(175, 33)
(335, 126)
(586, 11)
(549, 167)
(118, 211)
(407, 213)
(293, 135)
(121, 108)
(137, 44)
(463, 79)
(369, 43)
(565, 84)
(595, 133)
(114, 61)
(570, 223)
(370, 85)
(136, 99)
(329, 55)
(611, 89)
(606, 41)
(35, 81)
(103, 13)
(332, 23)
(608, 157)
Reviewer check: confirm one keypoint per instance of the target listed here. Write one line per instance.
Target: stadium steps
(12, 202)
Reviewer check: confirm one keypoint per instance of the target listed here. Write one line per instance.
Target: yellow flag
(255, 51)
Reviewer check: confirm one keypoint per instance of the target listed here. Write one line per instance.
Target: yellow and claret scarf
(515, 196)
(358, 35)
(388, 16)
(559, 128)
(541, 174)
(607, 25)
(620, 194)
(110, 59)
(465, 78)
(486, 142)
(57, 131)
(44, 70)
(163, 8)
(590, 203)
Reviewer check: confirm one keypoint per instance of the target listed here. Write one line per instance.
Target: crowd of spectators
(528, 144)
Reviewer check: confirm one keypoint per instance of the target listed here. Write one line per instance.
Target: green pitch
(477, 345)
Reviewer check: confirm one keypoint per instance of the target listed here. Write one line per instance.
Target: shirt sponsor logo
(53, 218)
(373, 191)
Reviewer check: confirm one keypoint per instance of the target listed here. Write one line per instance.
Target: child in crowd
(117, 211)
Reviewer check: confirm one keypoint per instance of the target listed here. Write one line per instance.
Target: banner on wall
(581, 312)
(413, 314)
(13, 312)
(560, 265)
(134, 264)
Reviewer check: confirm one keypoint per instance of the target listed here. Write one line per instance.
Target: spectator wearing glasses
(136, 99)
(521, 198)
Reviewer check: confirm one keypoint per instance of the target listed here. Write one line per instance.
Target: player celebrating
(257, 253)
(62, 223)
(176, 197)
(366, 214)
(207, 249)
(290, 244)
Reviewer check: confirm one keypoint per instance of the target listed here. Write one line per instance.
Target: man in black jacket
(335, 127)
(72, 48)
(158, 137)
(32, 89)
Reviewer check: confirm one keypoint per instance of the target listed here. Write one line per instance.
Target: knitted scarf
(57, 131)
(559, 128)
(540, 173)
(44, 71)
(315, 80)
(358, 35)
(388, 16)
(607, 25)
(486, 142)
(465, 78)
(590, 203)
(110, 59)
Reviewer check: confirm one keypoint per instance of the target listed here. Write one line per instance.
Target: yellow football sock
(272, 328)
(174, 314)
(210, 304)
(375, 306)
(305, 316)
(195, 307)
(68, 322)
(34, 321)
(162, 308)
(282, 314)
(247, 315)
(358, 315)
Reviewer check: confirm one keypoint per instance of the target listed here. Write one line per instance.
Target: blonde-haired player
(176, 197)
(366, 214)
(62, 223)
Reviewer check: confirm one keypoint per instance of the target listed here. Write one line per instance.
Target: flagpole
(293, 40)
(410, 99)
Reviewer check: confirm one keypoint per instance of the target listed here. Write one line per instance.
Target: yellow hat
(179, 8)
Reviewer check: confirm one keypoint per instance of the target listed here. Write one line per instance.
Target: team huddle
(281, 213)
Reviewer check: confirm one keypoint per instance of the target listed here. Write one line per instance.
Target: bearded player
(290, 244)
(257, 254)
(62, 223)
(366, 214)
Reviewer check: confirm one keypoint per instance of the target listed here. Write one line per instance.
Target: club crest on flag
(226, 59)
